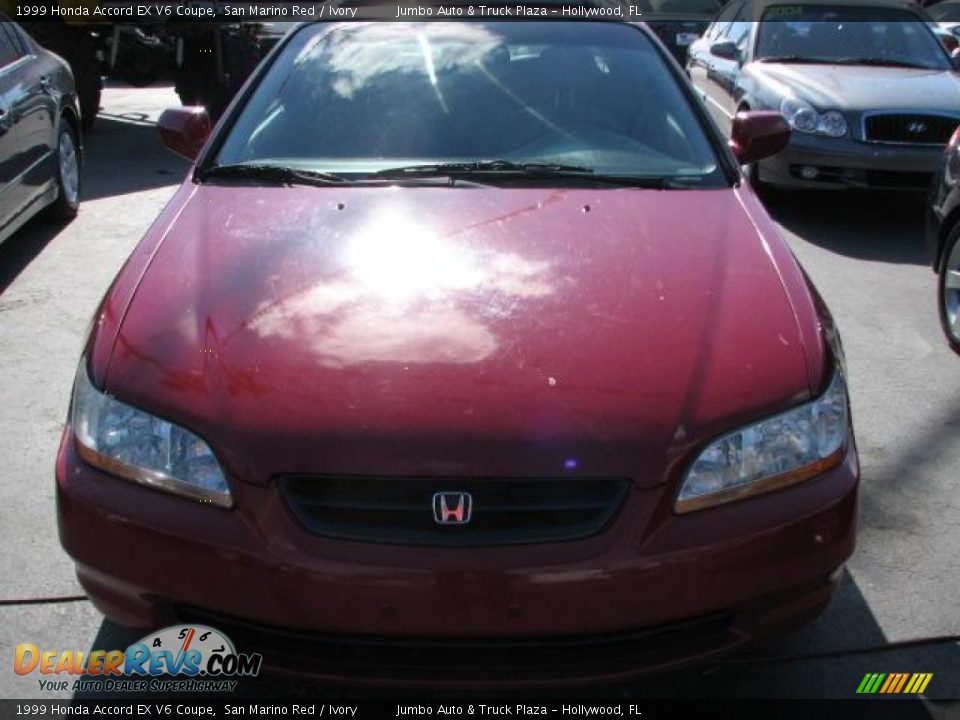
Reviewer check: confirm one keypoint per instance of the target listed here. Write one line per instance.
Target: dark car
(871, 94)
(943, 239)
(463, 354)
(40, 146)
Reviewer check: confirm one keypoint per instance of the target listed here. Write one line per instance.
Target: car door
(34, 107)
(715, 73)
(726, 72)
(12, 161)
(698, 55)
(700, 60)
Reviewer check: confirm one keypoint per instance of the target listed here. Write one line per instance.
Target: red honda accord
(463, 354)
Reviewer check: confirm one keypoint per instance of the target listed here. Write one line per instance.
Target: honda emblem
(452, 508)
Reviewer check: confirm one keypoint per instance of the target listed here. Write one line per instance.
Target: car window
(722, 20)
(848, 35)
(728, 12)
(8, 52)
(717, 30)
(738, 32)
(17, 36)
(361, 97)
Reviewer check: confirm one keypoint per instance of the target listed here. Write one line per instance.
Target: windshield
(357, 98)
(855, 35)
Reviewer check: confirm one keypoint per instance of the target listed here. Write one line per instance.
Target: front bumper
(647, 594)
(848, 163)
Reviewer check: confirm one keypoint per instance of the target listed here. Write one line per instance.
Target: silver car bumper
(824, 163)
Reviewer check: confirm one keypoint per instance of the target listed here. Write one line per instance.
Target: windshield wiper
(266, 172)
(888, 62)
(506, 169)
(795, 59)
(487, 166)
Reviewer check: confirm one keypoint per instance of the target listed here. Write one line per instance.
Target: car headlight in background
(801, 116)
(137, 446)
(773, 453)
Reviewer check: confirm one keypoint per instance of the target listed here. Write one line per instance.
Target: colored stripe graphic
(914, 681)
(866, 683)
(892, 679)
(894, 683)
(903, 681)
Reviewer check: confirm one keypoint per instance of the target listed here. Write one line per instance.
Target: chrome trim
(443, 514)
(903, 111)
(22, 60)
(46, 156)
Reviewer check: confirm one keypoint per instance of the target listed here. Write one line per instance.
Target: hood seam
(143, 274)
(805, 350)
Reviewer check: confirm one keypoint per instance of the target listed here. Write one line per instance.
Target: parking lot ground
(865, 253)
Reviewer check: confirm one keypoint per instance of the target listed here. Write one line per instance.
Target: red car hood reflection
(458, 331)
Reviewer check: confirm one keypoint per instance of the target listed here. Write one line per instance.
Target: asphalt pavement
(899, 606)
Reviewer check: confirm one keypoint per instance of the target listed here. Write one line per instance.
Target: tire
(141, 73)
(948, 298)
(137, 64)
(86, 73)
(67, 204)
(76, 47)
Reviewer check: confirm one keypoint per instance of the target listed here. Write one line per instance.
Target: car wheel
(68, 175)
(948, 290)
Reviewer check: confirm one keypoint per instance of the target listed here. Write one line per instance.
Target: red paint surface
(464, 332)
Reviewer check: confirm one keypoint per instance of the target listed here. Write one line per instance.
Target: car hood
(860, 87)
(459, 331)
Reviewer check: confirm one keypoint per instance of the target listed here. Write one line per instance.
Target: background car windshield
(680, 7)
(363, 97)
(945, 12)
(848, 34)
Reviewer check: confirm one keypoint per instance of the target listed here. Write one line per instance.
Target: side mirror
(758, 134)
(955, 59)
(185, 130)
(725, 49)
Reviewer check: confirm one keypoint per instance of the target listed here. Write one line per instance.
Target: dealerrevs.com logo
(188, 658)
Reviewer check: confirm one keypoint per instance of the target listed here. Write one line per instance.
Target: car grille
(504, 512)
(473, 659)
(909, 129)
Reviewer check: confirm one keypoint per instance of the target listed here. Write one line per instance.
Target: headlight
(804, 118)
(773, 453)
(137, 446)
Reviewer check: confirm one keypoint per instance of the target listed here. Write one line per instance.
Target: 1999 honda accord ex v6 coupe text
(464, 354)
